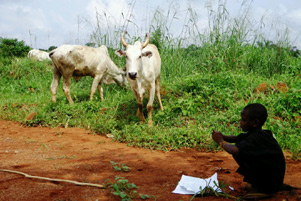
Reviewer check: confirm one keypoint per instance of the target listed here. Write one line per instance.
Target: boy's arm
(230, 138)
(231, 149)
(222, 141)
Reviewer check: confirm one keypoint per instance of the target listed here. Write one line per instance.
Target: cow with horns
(143, 67)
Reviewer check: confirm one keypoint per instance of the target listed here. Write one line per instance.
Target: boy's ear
(256, 123)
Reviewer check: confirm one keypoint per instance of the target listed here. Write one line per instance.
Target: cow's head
(117, 76)
(134, 54)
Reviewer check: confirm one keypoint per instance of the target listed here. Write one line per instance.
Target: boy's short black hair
(257, 111)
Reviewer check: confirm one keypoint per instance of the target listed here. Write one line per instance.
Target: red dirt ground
(75, 154)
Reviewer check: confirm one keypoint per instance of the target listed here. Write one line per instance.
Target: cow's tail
(51, 53)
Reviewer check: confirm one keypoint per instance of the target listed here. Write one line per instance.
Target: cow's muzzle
(132, 75)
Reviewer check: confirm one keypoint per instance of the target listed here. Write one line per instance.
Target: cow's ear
(120, 53)
(147, 54)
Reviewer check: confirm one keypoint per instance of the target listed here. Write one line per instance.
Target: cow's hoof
(150, 123)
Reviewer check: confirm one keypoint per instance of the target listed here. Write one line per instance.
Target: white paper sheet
(192, 185)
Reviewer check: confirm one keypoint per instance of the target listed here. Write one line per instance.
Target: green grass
(204, 87)
(194, 105)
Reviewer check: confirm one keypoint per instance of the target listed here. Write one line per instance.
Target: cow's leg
(139, 100)
(150, 103)
(140, 109)
(95, 84)
(100, 90)
(158, 92)
(55, 83)
(66, 88)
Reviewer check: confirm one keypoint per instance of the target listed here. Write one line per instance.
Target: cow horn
(122, 39)
(146, 41)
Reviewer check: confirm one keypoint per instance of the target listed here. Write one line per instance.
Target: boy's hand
(217, 136)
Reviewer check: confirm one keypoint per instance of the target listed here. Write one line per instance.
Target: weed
(146, 196)
(51, 158)
(44, 147)
(29, 141)
(67, 157)
(59, 133)
(87, 167)
(118, 167)
(58, 166)
(219, 191)
(125, 190)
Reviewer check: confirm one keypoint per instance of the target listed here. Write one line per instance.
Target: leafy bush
(51, 48)
(13, 48)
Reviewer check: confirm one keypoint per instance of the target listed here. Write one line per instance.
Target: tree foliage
(13, 48)
(51, 48)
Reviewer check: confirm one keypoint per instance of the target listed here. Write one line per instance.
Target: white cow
(38, 55)
(78, 61)
(143, 67)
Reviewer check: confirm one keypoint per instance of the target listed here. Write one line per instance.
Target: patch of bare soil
(75, 154)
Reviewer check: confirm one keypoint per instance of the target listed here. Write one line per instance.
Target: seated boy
(259, 156)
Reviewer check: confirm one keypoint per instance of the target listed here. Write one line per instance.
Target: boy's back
(265, 159)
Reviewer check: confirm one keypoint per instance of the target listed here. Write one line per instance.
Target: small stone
(110, 136)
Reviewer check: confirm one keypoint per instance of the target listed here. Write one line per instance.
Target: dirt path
(74, 154)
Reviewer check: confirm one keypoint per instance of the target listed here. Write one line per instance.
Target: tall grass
(205, 83)
(228, 42)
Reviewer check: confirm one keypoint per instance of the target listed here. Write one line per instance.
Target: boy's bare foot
(247, 186)
(254, 194)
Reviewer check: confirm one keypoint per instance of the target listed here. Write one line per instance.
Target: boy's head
(253, 115)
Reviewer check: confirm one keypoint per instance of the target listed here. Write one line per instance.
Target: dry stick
(50, 179)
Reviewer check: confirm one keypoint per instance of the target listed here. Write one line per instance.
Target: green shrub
(13, 48)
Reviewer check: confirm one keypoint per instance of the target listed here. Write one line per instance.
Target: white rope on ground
(56, 180)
